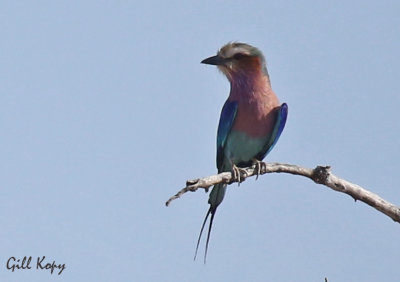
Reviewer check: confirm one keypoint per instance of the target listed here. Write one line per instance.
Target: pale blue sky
(106, 111)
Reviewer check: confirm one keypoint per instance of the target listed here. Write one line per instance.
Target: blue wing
(282, 113)
(228, 115)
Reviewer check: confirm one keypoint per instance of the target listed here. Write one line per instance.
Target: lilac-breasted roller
(251, 119)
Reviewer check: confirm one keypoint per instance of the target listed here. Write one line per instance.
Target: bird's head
(238, 59)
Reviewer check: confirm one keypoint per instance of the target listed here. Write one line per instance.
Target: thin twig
(320, 174)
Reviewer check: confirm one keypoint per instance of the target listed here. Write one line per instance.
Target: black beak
(214, 60)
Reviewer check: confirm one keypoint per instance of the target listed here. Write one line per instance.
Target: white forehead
(229, 50)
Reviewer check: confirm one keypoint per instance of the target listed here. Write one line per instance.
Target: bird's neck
(248, 85)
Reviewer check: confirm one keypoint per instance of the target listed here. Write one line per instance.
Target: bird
(252, 118)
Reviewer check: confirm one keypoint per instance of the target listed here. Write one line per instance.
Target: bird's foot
(237, 174)
(258, 167)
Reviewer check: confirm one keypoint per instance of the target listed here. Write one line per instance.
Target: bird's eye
(238, 56)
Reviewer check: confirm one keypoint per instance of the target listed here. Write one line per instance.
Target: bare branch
(320, 174)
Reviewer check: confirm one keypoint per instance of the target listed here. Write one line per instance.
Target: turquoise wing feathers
(226, 120)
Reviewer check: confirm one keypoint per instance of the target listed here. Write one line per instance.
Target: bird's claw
(258, 167)
(237, 174)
